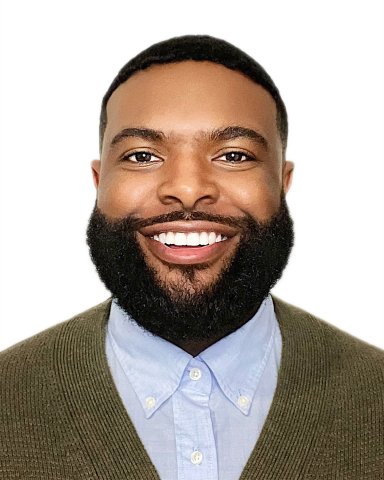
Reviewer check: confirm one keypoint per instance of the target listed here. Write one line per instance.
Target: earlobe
(287, 175)
(95, 165)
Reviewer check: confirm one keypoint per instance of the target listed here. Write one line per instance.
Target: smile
(189, 242)
(190, 239)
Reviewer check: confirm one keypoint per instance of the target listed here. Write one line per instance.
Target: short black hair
(199, 48)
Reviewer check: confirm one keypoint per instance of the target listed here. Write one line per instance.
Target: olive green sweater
(62, 418)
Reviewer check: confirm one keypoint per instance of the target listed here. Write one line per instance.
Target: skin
(188, 170)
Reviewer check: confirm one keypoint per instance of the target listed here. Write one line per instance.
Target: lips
(188, 243)
(189, 226)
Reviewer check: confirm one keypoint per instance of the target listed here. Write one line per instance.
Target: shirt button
(243, 401)
(150, 402)
(196, 457)
(195, 374)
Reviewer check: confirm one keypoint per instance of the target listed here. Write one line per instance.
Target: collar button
(150, 402)
(243, 401)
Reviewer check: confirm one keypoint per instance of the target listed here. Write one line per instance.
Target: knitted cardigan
(61, 416)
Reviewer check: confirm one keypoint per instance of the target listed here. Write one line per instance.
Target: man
(192, 370)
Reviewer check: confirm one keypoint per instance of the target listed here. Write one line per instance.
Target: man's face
(190, 137)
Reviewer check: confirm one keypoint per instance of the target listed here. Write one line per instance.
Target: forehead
(186, 97)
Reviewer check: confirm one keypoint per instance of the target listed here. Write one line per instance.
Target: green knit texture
(61, 416)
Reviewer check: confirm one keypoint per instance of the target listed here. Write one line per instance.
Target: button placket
(195, 442)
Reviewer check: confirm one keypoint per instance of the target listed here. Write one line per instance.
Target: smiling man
(192, 370)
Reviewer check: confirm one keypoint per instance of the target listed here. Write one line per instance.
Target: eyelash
(242, 154)
(126, 157)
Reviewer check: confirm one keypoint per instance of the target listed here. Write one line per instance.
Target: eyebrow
(232, 132)
(144, 133)
(223, 134)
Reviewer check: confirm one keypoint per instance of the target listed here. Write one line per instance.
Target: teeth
(170, 238)
(212, 238)
(191, 239)
(204, 238)
(180, 239)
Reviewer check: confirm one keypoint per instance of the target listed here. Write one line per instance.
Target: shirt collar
(238, 360)
(154, 366)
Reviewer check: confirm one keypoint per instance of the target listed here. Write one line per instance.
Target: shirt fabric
(198, 417)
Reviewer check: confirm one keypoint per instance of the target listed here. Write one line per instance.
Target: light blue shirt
(198, 417)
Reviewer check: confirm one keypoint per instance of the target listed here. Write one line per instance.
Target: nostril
(188, 195)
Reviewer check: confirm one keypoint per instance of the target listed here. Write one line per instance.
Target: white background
(57, 60)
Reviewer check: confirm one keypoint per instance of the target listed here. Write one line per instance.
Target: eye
(236, 157)
(140, 157)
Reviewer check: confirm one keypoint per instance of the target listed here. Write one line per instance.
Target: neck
(195, 346)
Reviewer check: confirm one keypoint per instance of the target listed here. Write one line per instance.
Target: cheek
(259, 197)
(121, 193)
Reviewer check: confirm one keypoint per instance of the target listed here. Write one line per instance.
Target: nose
(188, 183)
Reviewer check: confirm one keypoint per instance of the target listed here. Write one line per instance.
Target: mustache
(131, 223)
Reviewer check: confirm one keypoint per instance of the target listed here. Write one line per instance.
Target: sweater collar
(154, 367)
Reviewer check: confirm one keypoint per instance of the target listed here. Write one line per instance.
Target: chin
(188, 279)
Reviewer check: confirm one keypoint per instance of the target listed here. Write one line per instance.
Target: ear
(96, 166)
(287, 175)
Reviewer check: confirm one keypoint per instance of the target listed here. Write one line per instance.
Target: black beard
(179, 313)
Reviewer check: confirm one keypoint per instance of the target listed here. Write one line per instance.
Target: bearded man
(192, 370)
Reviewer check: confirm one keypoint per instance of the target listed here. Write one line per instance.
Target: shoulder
(354, 364)
(36, 353)
(338, 382)
(293, 317)
(37, 432)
